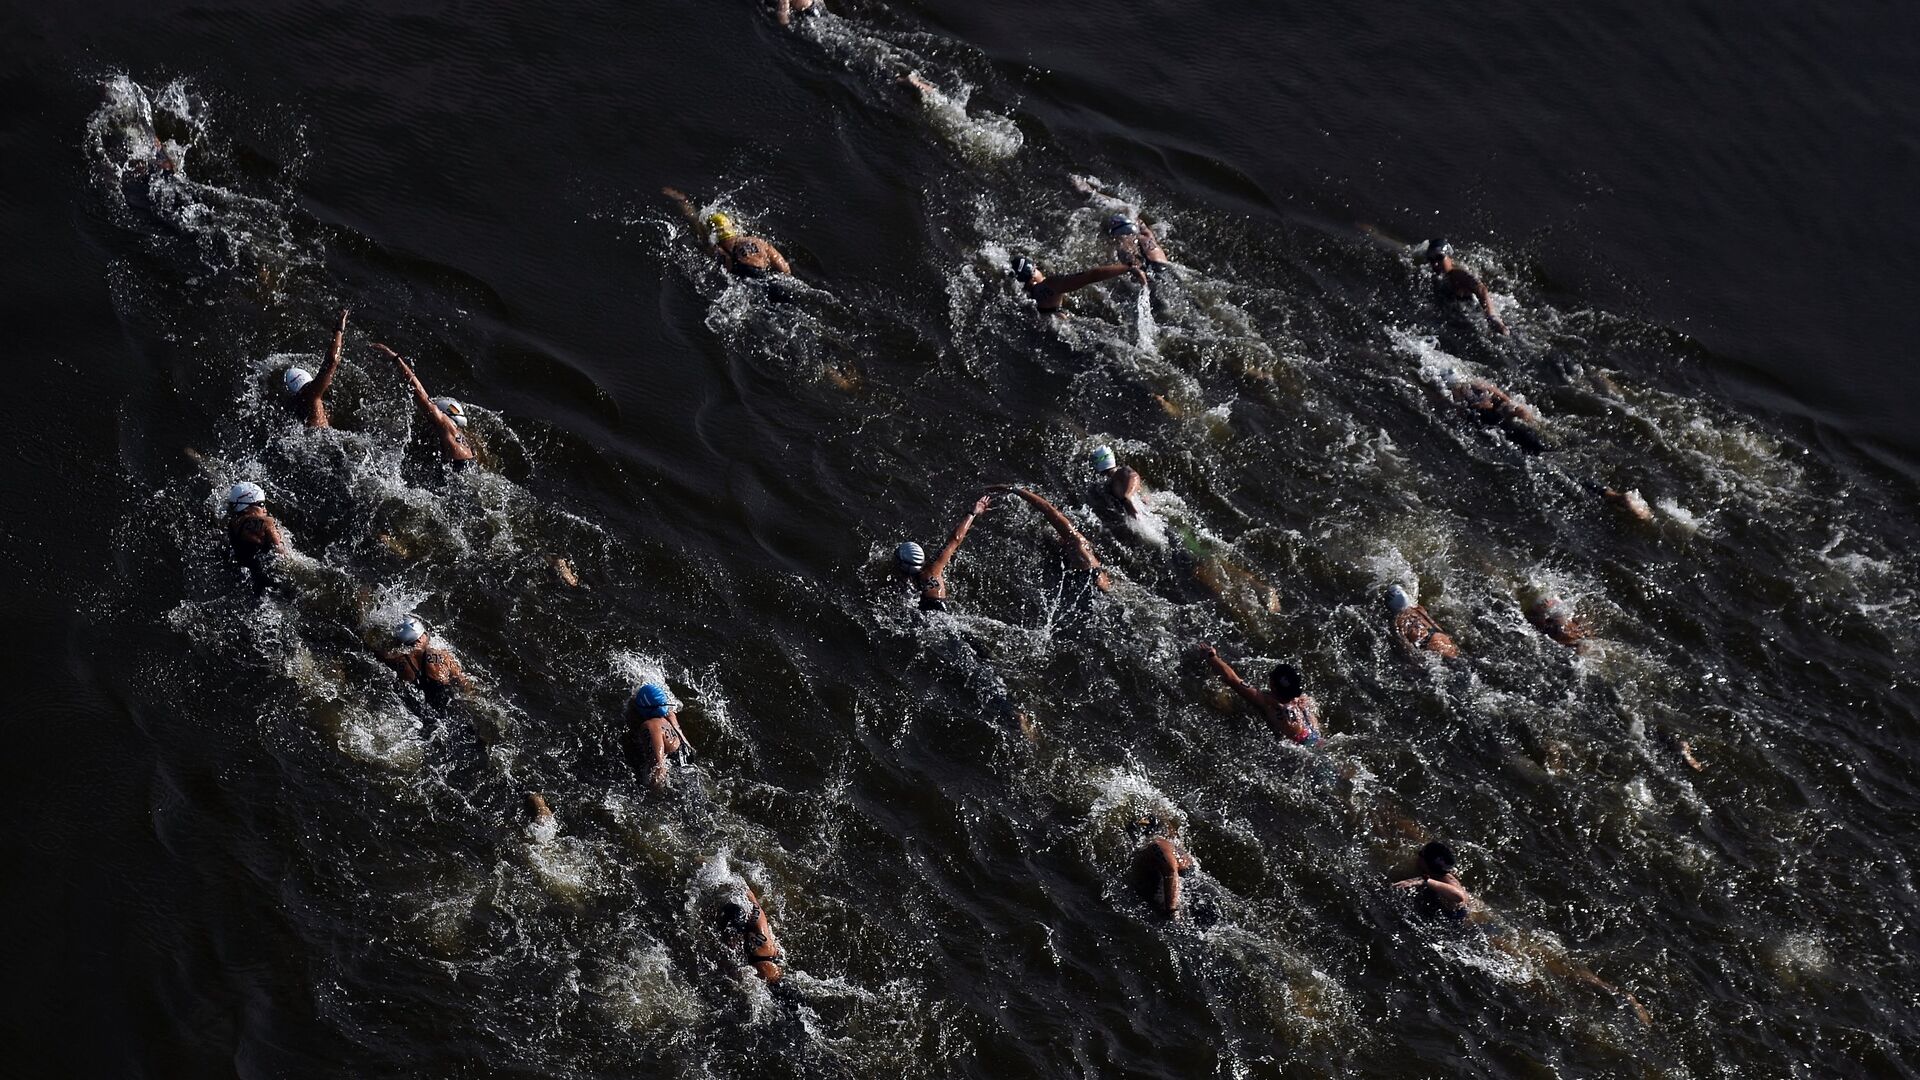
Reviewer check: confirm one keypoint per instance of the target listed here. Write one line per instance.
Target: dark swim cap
(1121, 225)
(1023, 268)
(1285, 681)
(1438, 856)
(1438, 248)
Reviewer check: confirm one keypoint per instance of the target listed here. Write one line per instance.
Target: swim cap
(1103, 459)
(722, 226)
(1121, 225)
(1398, 600)
(1453, 378)
(409, 630)
(1438, 249)
(1439, 856)
(297, 379)
(651, 700)
(243, 495)
(454, 410)
(910, 555)
(1023, 268)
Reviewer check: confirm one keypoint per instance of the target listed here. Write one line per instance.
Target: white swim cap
(910, 555)
(409, 630)
(454, 410)
(1453, 378)
(297, 379)
(1398, 600)
(1103, 458)
(243, 495)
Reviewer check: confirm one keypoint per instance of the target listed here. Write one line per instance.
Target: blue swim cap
(1103, 458)
(1398, 600)
(651, 700)
(1121, 225)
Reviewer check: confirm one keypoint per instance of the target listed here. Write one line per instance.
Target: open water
(238, 848)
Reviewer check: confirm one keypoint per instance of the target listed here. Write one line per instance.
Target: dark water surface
(238, 849)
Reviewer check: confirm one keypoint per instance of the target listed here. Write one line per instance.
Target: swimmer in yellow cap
(747, 256)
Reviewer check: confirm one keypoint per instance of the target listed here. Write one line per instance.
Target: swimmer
(1135, 246)
(1049, 294)
(305, 390)
(745, 256)
(447, 416)
(1416, 629)
(1440, 891)
(785, 10)
(653, 732)
(1679, 746)
(1118, 481)
(929, 579)
(1629, 501)
(420, 663)
(542, 827)
(1554, 617)
(756, 936)
(1162, 860)
(1456, 283)
(1494, 407)
(252, 531)
(1285, 704)
(1073, 546)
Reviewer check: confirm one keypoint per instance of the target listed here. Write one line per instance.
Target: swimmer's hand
(1499, 326)
(981, 504)
(1205, 651)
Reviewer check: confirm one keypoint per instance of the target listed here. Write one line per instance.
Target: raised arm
(1240, 686)
(1067, 284)
(419, 392)
(939, 564)
(1060, 522)
(325, 378)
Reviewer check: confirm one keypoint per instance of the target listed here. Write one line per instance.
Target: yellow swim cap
(722, 225)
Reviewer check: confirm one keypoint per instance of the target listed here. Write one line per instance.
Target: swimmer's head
(1453, 379)
(1285, 682)
(1103, 460)
(651, 699)
(1024, 270)
(722, 226)
(1398, 600)
(297, 379)
(910, 557)
(455, 411)
(1438, 249)
(1121, 225)
(410, 630)
(244, 496)
(1437, 858)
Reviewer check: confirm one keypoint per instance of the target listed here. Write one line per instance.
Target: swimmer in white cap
(1416, 629)
(252, 531)
(305, 390)
(929, 579)
(1456, 283)
(419, 662)
(1119, 481)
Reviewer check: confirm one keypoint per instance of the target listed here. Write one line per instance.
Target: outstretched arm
(1079, 552)
(325, 378)
(419, 391)
(1240, 686)
(939, 564)
(1067, 284)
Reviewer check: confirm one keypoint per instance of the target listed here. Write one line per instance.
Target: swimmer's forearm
(779, 260)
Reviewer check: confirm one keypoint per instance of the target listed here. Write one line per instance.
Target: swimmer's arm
(692, 214)
(783, 12)
(1232, 677)
(1060, 522)
(1447, 891)
(656, 737)
(279, 538)
(1486, 305)
(325, 378)
(1169, 872)
(1084, 278)
(779, 261)
(459, 675)
(939, 564)
(420, 394)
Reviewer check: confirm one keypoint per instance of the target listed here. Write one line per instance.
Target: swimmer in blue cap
(1119, 481)
(653, 726)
